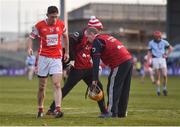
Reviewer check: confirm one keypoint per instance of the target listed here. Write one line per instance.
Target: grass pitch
(18, 105)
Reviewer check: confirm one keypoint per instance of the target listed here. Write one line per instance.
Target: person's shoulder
(33, 56)
(103, 36)
(40, 23)
(60, 22)
(78, 34)
(163, 40)
(98, 41)
(151, 41)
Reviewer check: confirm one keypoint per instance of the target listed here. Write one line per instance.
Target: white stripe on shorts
(112, 79)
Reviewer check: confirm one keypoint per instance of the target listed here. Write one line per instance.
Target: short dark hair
(52, 9)
(90, 30)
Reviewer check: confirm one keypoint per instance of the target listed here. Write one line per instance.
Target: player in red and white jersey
(50, 38)
(49, 32)
(147, 69)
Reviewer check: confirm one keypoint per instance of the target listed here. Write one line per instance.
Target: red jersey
(82, 49)
(114, 52)
(50, 38)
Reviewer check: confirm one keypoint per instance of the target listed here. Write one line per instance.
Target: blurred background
(131, 21)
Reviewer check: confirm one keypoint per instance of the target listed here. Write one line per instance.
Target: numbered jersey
(113, 51)
(50, 38)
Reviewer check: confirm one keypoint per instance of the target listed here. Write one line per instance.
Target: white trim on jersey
(64, 29)
(34, 32)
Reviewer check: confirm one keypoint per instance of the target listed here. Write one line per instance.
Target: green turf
(18, 105)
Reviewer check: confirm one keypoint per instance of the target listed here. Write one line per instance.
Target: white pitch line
(151, 110)
(138, 110)
(70, 108)
(84, 112)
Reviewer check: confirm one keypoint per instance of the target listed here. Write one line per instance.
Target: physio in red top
(114, 54)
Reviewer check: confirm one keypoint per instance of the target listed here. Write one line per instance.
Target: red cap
(157, 34)
(94, 22)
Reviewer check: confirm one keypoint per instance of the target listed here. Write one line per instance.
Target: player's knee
(42, 87)
(57, 85)
(158, 82)
(165, 76)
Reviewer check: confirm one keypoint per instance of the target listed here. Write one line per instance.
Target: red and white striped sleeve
(34, 33)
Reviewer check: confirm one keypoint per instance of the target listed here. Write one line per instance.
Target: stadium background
(18, 95)
(133, 24)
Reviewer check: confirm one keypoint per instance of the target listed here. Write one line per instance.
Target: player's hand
(30, 52)
(69, 68)
(94, 82)
(36, 69)
(165, 56)
(66, 57)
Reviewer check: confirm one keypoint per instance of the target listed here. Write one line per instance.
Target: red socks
(58, 109)
(40, 109)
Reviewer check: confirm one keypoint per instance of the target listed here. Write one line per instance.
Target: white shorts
(148, 70)
(159, 63)
(30, 67)
(49, 66)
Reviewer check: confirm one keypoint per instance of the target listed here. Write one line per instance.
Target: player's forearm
(96, 61)
(149, 55)
(169, 50)
(29, 46)
(66, 43)
(29, 43)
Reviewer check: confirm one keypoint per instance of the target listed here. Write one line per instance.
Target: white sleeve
(166, 43)
(64, 29)
(34, 32)
(149, 45)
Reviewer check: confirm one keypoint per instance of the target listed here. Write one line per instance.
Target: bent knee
(42, 87)
(57, 85)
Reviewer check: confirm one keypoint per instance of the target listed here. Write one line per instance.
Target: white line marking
(131, 110)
